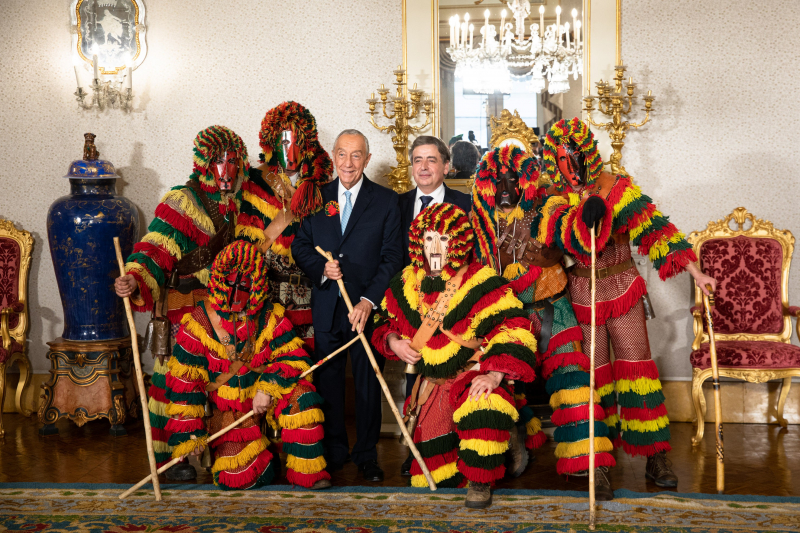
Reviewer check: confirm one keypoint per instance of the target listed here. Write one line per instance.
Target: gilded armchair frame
(18, 333)
(761, 229)
(512, 127)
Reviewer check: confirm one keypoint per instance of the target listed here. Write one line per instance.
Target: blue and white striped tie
(348, 208)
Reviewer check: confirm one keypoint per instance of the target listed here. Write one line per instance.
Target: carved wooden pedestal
(90, 380)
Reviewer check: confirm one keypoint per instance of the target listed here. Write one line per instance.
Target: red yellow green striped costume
(563, 364)
(460, 439)
(642, 425)
(242, 459)
(181, 224)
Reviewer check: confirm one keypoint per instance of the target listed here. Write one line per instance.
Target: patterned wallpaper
(208, 63)
(722, 135)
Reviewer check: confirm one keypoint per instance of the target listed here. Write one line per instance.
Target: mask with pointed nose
(507, 194)
(289, 150)
(240, 285)
(435, 250)
(225, 168)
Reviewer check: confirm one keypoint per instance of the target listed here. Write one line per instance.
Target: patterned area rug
(32, 507)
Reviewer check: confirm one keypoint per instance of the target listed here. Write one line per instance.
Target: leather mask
(225, 168)
(290, 150)
(507, 194)
(240, 291)
(435, 251)
(572, 164)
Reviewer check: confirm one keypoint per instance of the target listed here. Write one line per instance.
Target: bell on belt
(649, 312)
(411, 425)
(411, 369)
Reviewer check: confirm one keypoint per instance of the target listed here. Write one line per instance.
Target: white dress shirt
(438, 198)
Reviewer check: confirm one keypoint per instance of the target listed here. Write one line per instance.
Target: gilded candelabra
(617, 104)
(402, 110)
(105, 94)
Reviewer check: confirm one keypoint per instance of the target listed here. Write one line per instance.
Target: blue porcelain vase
(80, 228)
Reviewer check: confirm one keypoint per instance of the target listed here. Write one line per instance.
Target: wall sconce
(108, 44)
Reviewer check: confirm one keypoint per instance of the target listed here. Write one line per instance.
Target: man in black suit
(360, 225)
(430, 163)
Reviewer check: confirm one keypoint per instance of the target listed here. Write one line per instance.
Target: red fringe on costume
(249, 475)
(636, 413)
(634, 370)
(182, 223)
(563, 337)
(434, 462)
(581, 463)
(161, 435)
(158, 394)
(498, 435)
(179, 425)
(612, 308)
(306, 480)
(480, 475)
(241, 434)
(579, 413)
(564, 359)
(535, 441)
(303, 435)
(646, 451)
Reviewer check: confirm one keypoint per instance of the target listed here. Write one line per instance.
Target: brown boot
(659, 470)
(479, 496)
(602, 485)
(517, 454)
(321, 484)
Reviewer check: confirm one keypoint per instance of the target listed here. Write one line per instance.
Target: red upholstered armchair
(16, 248)
(752, 317)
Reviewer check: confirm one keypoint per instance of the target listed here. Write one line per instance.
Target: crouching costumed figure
(256, 368)
(460, 323)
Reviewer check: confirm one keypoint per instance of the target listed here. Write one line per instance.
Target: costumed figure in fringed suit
(468, 335)
(258, 367)
(169, 269)
(280, 193)
(583, 195)
(505, 197)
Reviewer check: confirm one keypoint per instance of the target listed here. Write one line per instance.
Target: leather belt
(291, 279)
(187, 285)
(601, 273)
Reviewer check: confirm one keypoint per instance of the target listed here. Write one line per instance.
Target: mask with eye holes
(225, 169)
(440, 240)
(435, 245)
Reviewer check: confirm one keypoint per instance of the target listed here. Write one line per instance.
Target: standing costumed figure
(256, 368)
(468, 335)
(584, 195)
(280, 193)
(505, 200)
(169, 269)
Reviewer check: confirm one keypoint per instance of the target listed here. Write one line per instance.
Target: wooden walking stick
(403, 429)
(137, 361)
(226, 429)
(708, 301)
(592, 281)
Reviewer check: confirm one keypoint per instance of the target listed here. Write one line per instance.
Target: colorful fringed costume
(200, 357)
(262, 203)
(461, 439)
(642, 426)
(181, 224)
(540, 282)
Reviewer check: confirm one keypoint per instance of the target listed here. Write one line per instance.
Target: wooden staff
(137, 361)
(708, 301)
(403, 429)
(592, 282)
(226, 429)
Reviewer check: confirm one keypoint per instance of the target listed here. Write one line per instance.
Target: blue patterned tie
(348, 208)
(426, 201)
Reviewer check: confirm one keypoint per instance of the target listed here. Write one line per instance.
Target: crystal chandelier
(553, 53)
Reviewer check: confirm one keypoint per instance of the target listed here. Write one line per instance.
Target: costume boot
(602, 485)
(659, 470)
(517, 454)
(479, 495)
(181, 472)
(321, 484)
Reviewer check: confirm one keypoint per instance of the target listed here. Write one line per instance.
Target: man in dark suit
(360, 225)
(430, 163)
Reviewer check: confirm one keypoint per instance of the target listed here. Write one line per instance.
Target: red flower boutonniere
(332, 208)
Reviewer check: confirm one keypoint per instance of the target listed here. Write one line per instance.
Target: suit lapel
(330, 194)
(363, 200)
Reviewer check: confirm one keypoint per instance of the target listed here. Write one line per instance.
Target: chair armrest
(795, 312)
(5, 314)
(697, 314)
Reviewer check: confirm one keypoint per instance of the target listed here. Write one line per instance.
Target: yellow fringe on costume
(250, 233)
(513, 336)
(161, 447)
(611, 420)
(661, 248)
(203, 276)
(410, 283)
(305, 466)
(186, 204)
(576, 449)
(513, 271)
(630, 194)
(273, 389)
(194, 327)
(237, 393)
(268, 333)
(507, 301)
(445, 471)
(641, 386)
(442, 355)
(574, 198)
(606, 389)
(303, 418)
(242, 458)
(179, 370)
(572, 397)
(645, 425)
(260, 204)
(155, 290)
(187, 447)
(547, 212)
(484, 447)
(533, 426)
(292, 345)
(168, 243)
(156, 407)
(186, 411)
(494, 403)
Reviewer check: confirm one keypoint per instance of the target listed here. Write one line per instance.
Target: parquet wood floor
(759, 459)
